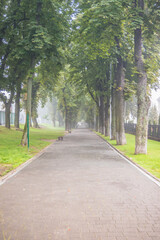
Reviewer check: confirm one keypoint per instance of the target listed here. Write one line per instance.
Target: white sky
(155, 95)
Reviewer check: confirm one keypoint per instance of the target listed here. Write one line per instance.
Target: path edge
(145, 172)
(23, 165)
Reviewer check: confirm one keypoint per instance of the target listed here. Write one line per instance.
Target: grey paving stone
(80, 189)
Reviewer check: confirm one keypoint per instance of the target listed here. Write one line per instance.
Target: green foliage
(67, 94)
(89, 74)
(88, 35)
(105, 29)
(100, 37)
(87, 109)
(99, 25)
(30, 31)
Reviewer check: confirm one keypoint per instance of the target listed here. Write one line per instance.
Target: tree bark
(7, 109)
(66, 120)
(54, 104)
(107, 117)
(28, 110)
(17, 105)
(142, 98)
(34, 113)
(120, 77)
(69, 120)
(29, 98)
(35, 123)
(94, 118)
(7, 115)
(60, 119)
(113, 112)
(101, 115)
(34, 104)
(97, 122)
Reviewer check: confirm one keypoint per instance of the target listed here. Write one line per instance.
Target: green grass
(150, 162)
(12, 154)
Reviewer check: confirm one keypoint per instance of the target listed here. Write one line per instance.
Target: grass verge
(150, 162)
(12, 154)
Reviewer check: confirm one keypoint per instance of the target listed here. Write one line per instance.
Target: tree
(46, 31)
(8, 71)
(90, 75)
(54, 111)
(34, 103)
(17, 103)
(100, 26)
(108, 29)
(142, 20)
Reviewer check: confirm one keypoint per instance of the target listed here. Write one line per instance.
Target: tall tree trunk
(54, 104)
(142, 98)
(34, 104)
(34, 114)
(29, 98)
(7, 115)
(60, 119)
(7, 109)
(70, 120)
(54, 120)
(91, 118)
(95, 118)
(120, 77)
(35, 122)
(66, 120)
(17, 105)
(107, 117)
(97, 122)
(101, 115)
(113, 112)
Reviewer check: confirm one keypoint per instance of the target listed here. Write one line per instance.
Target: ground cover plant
(12, 154)
(150, 162)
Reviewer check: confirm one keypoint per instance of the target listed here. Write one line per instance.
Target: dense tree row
(68, 96)
(94, 55)
(32, 34)
(116, 54)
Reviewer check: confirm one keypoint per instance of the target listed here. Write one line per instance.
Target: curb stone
(23, 165)
(27, 162)
(154, 179)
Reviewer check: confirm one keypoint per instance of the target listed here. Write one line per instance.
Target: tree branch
(96, 100)
(3, 98)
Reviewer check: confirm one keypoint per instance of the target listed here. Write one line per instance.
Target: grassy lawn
(151, 161)
(12, 154)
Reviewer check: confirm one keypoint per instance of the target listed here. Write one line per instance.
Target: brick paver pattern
(80, 189)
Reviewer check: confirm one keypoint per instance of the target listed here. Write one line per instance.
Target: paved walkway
(79, 189)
